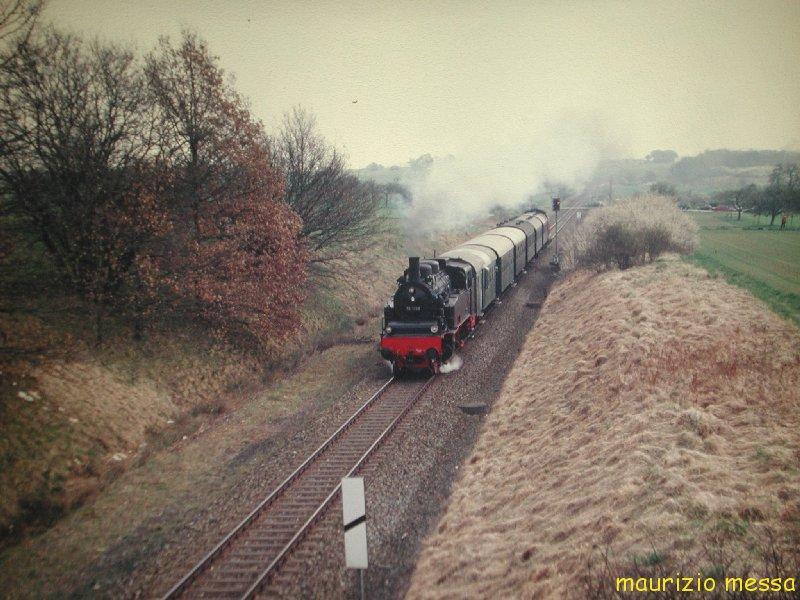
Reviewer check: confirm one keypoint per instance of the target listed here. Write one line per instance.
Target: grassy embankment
(754, 255)
(649, 428)
(74, 416)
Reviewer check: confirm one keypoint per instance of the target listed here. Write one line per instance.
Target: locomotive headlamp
(388, 330)
(411, 291)
(434, 328)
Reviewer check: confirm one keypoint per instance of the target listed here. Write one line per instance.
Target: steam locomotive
(439, 301)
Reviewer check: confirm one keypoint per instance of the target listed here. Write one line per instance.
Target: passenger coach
(438, 301)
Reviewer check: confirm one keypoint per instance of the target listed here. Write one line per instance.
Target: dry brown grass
(91, 413)
(652, 416)
(73, 417)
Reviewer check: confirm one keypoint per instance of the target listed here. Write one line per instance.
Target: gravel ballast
(408, 479)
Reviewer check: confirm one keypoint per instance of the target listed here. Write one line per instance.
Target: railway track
(244, 562)
(246, 559)
(566, 219)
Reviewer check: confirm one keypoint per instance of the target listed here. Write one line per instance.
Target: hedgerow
(634, 231)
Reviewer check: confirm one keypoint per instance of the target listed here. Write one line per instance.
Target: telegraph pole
(554, 263)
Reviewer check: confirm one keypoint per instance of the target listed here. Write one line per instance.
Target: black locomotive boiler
(439, 302)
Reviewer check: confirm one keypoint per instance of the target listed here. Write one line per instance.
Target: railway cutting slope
(649, 425)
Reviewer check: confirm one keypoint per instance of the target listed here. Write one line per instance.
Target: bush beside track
(634, 231)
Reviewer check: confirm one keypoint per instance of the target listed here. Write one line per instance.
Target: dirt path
(155, 519)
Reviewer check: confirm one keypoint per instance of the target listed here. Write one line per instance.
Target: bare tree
(73, 145)
(341, 214)
(745, 198)
(186, 86)
(782, 193)
(17, 21)
(203, 124)
(395, 188)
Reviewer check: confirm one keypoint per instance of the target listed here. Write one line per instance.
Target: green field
(753, 255)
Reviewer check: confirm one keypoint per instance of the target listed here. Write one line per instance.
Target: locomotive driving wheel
(397, 370)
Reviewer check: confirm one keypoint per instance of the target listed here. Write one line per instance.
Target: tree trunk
(138, 326)
(772, 220)
(739, 218)
(98, 324)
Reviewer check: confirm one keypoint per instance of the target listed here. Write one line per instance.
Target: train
(439, 301)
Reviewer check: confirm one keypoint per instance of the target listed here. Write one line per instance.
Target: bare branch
(341, 214)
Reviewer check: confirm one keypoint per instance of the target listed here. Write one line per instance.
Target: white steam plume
(459, 189)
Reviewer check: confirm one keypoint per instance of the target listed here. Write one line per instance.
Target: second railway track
(244, 562)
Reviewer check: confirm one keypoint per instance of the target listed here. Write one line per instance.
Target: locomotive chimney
(413, 268)
(442, 263)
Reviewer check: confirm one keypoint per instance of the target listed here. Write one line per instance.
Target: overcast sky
(454, 77)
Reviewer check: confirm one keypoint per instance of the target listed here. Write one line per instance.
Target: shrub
(633, 231)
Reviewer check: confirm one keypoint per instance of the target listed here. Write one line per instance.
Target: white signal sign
(354, 520)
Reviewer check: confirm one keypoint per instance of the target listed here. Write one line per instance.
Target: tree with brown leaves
(234, 256)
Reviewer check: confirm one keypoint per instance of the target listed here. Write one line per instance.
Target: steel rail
(206, 561)
(267, 573)
(264, 577)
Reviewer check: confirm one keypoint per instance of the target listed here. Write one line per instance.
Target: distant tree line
(156, 192)
(780, 195)
(721, 163)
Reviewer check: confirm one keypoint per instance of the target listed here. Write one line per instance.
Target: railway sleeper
(291, 511)
(207, 593)
(256, 557)
(243, 562)
(332, 464)
(274, 534)
(273, 542)
(263, 546)
(345, 453)
(215, 593)
(326, 481)
(307, 493)
(305, 502)
(225, 585)
(227, 581)
(309, 497)
(339, 462)
(238, 573)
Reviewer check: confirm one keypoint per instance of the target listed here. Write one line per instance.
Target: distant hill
(409, 174)
(703, 174)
